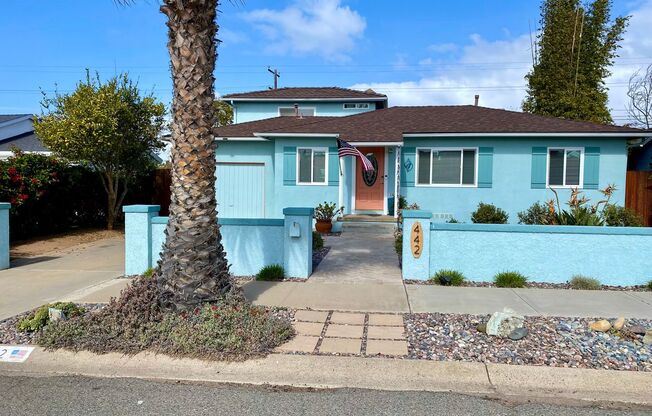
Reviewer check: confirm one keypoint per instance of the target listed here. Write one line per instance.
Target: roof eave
(277, 134)
(245, 99)
(531, 134)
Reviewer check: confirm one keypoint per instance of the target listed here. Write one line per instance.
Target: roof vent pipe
(477, 99)
(296, 110)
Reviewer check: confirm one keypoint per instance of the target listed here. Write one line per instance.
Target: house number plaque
(416, 239)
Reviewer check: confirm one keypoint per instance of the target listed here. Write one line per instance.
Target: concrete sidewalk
(500, 381)
(393, 298)
(33, 281)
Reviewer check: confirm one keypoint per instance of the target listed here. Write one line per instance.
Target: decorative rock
(518, 333)
(600, 326)
(56, 315)
(647, 339)
(482, 328)
(637, 329)
(503, 323)
(619, 323)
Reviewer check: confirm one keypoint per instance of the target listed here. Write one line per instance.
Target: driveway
(33, 281)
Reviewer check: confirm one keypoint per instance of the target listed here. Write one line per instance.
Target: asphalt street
(21, 395)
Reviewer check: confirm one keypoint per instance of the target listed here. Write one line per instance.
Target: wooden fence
(638, 194)
(161, 190)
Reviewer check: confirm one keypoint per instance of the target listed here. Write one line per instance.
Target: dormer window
(291, 111)
(356, 106)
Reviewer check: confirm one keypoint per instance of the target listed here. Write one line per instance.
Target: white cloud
(230, 37)
(443, 47)
(310, 27)
(481, 69)
(496, 71)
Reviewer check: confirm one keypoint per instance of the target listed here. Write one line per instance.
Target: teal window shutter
(333, 166)
(408, 166)
(591, 167)
(289, 165)
(539, 161)
(485, 167)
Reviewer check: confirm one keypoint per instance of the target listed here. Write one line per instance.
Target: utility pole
(276, 74)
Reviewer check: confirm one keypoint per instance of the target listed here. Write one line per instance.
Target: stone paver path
(363, 253)
(344, 333)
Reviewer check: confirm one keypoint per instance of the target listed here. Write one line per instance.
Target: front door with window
(370, 186)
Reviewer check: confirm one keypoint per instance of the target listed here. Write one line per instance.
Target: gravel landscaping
(556, 342)
(536, 285)
(9, 334)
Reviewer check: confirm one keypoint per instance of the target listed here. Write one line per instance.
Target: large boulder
(503, 323)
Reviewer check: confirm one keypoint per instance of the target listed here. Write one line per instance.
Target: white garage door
(241, 190)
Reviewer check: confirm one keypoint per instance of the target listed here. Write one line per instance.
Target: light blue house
(282, 152)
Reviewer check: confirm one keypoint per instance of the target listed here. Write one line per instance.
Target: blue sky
(417, 52)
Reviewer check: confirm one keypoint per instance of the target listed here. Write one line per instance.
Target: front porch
(370, 196)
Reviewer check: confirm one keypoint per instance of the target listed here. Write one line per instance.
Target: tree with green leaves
(108, 126)
(572, 56)
(223, 112)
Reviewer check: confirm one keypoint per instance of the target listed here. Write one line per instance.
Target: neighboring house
(447, 158)
(306, 102)
(16, 130)
(640, 156)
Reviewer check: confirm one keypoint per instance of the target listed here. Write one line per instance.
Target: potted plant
(324, 214)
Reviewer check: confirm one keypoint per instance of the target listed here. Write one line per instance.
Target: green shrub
(149, 272)
(271, 272)
(537, 214)
(448, 278)
(617, 216)
(317, 241)
(398, 241)
(41, 316)
(452, 220)
(228, 329)
(649, 285)
(510, 279)
(585, 283)
(489, 214)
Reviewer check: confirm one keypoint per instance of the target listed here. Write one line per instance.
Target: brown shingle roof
(266, 125)
(312, 93)
(392, 123)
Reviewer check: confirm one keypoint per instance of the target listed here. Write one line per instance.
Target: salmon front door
(370, 186)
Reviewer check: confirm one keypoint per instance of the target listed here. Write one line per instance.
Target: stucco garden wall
(250, 244)
(544, 253)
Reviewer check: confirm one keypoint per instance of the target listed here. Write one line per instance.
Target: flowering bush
(28, 176)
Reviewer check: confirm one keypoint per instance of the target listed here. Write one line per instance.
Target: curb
(500, 381)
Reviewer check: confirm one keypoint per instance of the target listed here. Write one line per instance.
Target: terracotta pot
(323, 226)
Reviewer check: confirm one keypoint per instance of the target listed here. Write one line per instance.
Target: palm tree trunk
(193, 267)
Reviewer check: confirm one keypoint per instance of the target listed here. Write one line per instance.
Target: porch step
(369, 218)
(368, 226)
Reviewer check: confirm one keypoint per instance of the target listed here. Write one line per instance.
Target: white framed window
(290, 112)
(312, 166)
(447, 166)
(353, 106)
(565, 167)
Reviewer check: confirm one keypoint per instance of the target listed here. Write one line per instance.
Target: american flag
(345, 149)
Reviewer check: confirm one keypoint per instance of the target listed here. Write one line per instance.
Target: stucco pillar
(416, 245)
(138, 237)
(297, 242)
(4, 235)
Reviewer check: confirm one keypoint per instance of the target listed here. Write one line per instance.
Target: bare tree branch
(639, 92)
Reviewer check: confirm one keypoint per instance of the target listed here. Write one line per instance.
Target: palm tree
(193, 267)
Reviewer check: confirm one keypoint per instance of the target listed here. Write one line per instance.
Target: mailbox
(295, 230)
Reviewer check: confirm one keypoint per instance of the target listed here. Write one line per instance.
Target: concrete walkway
(374, 297)
(394, 298)
(363, 253)
(33, 281)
